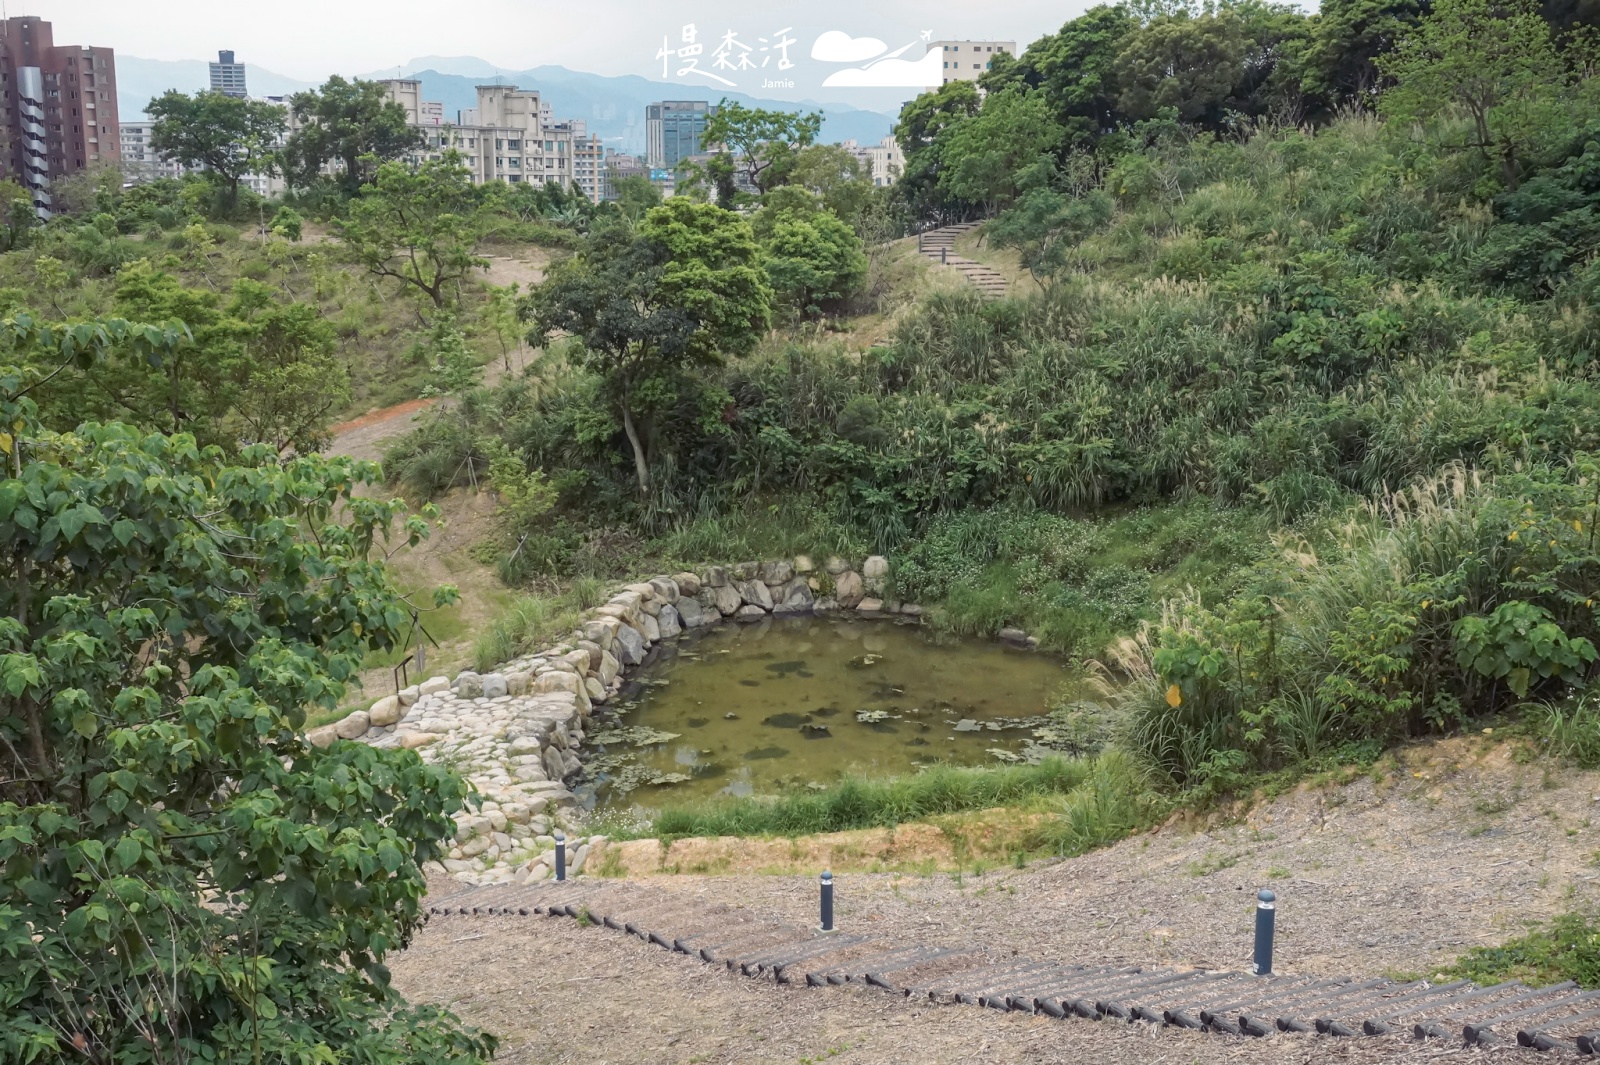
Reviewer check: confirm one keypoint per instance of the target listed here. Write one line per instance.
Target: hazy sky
(311, 38)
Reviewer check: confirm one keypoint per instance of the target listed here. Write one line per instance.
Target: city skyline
(363, 36)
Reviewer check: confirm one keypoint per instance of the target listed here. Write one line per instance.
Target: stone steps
(939, 245)
(1225, 1002)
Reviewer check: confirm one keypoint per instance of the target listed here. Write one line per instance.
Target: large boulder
(384, 712)
(746, 571)
(650, 608)
(596, 690)
(594, 652)
(691, 613)
(751, 613)
(558, 681)
(755, 593)
(793, 598)
(875, 574)
(599, 633)
(579, 660)
(716, 577)
(688, 584)
(554, 767)
(652, 628)
(517, 683)
(666, 589)
(668, 622)
(433, 686)
(608, 668)
(774, 574)
(630, 644)
(727, 599)
(353, 727)
(468, 685)
(836, 565)
(494, 685)
(409, 696)
(322, 737)
(646, 592)
(847, 589)
(804, 565)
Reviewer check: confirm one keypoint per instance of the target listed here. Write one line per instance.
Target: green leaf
(128, 852)
(85, 724)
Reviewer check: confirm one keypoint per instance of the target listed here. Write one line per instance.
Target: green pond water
(796, 703)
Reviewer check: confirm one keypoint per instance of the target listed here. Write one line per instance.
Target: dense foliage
(1294, 431)
(182, 877)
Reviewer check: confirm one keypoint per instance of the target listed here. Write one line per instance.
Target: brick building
(58, 108)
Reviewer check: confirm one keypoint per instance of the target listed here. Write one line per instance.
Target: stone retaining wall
(515, 733)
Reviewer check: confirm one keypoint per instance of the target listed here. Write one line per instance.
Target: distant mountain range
(613, 107)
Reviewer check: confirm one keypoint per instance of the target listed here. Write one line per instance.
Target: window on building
(516, 163)
(499, 144)
(514, 145)
(514, 177)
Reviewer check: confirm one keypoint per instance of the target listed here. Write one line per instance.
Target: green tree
(764, 144)
(812, 256)
(18, 218)
(1185, 62)
(636, 195)
(683, 290)
(1009, 145)
(840, 179)
(291, 381)
(1340, 60)
(1075, 70)
(924, 125)
(183, 877)
(350, 123)
(1493, 62)
(419, 225)
(227, 135)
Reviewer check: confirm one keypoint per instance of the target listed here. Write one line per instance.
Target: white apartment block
(510, 136)
(883, 162)
(967, 60)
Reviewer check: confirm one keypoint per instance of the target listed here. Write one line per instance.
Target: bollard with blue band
(561, 855)
(827, 901)
(1266, 915)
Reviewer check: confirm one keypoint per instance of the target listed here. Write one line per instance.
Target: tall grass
(533, 620)
(1100, 799)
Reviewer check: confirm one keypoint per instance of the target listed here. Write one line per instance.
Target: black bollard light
(827, 901)
(944, 256)
(561, 855)
(1266, 915)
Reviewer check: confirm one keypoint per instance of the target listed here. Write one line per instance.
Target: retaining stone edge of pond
(516, 732)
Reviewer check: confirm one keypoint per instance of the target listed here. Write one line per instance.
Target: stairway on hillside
(940, 246)
(1229, 1003)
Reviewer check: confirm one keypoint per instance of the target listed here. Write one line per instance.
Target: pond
(801, 702)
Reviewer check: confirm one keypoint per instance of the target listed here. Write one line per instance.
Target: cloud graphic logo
(837, 47)
(891, 73)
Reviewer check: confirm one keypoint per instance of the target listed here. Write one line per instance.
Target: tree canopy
(227, 135)
(348, 123)
(646, 306)
(181, 876)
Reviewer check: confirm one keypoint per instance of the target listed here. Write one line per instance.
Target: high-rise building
(509, 136)
(227, 77)
(967, 60)
(589, 168)
(673, 130)
(59, 108)
(883, 162)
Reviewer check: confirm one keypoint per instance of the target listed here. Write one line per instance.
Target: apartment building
(58, 108)
(509, 136)
(967, 60)
(589, 168)
(883, 162)
(673, 130)
(227, 77)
